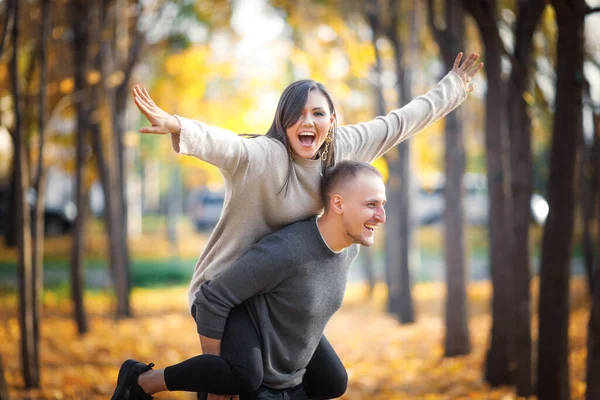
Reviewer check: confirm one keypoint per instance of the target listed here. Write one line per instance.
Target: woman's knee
(249, 377)
(338, 384)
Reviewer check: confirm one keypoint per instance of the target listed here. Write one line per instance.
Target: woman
(262, 195)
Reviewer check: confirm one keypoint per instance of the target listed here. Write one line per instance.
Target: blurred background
(481, 284)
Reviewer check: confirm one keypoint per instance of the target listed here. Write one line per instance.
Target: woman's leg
(239, 368)
(326, 377)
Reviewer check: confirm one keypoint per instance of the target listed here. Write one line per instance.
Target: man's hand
(162, 122)
(467, 70)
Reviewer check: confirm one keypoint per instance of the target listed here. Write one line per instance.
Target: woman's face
(308, 133)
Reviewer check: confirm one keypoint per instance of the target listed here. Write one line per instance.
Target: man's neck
(331, 233)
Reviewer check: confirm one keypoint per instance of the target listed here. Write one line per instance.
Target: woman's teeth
(306, 138)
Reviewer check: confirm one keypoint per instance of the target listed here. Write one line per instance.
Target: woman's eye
(319, 114)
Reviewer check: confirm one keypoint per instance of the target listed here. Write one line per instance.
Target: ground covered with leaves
(385, 360)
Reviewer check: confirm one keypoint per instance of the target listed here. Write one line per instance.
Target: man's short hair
(341, 173)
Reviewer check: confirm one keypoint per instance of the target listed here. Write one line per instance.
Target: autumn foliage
(384, 359)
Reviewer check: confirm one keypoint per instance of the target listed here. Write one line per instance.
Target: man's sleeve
(257, 272)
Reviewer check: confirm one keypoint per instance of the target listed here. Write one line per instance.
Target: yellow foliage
(115, 79)
(384, 360)
(93, 76)
(66, 85)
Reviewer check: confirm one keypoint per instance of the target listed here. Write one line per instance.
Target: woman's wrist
(175, 125)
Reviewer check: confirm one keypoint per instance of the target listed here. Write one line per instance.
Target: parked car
(58, 218)
(429, 207)
(205, 207)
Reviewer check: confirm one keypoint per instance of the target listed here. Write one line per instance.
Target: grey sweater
(254, 171)
(292, 284)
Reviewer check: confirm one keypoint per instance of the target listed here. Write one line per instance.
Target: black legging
(239, 369)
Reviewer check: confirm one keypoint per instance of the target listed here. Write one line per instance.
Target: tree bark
(553, 366)
(497, 368)
(107, 171)
(451, 41)
(589, 178)
(30, 368)
(593, 354)
(519, 127)
(40, 184)
(3, 384)
(6, 24)
(80, 20)
(399, 167)
(399, 298)
(118, 101)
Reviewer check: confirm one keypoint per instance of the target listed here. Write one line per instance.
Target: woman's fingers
(475, 70)
(469, 62)
(457, 60)
(151, 129)
(143, 107)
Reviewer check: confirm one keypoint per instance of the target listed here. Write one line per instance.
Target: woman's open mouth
(307, 138)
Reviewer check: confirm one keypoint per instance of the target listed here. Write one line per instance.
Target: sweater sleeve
(217, 146)
(259, 271)
(370, 140)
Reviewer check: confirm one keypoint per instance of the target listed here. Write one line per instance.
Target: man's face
(364, 201)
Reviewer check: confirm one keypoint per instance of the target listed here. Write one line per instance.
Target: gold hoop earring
(326, 149)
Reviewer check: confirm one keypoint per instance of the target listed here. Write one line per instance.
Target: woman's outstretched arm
(370, 140)
(217, 146)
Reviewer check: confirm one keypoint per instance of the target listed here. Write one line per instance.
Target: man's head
(354, 197)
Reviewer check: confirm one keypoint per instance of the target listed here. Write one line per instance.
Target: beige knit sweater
(255, 170)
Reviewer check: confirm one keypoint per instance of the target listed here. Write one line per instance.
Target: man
(291, 283)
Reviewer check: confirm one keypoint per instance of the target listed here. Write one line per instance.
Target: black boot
(127, 385)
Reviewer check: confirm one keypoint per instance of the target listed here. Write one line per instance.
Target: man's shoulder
(297, 230)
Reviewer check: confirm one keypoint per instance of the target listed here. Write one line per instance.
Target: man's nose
(380, 215)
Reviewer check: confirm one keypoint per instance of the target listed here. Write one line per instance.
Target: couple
(260, 200)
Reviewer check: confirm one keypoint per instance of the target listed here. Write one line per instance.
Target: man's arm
(258, 271)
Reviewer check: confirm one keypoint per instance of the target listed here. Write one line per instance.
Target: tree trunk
(588, 193)
(553, 366)
(399, 167)
(80, 19)
(40, 183)
(118, 108)
(451, 41)
(593, 354)
(30, 368)
(519, 123)
(497, 369)
(3, 384)
(107, 170)
(399, 299)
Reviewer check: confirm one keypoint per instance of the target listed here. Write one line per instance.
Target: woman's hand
(467, 70)
(162, 122)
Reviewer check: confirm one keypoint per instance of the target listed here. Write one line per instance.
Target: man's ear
(337, 204)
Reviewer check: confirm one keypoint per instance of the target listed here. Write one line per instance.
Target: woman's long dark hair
(289, 109)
